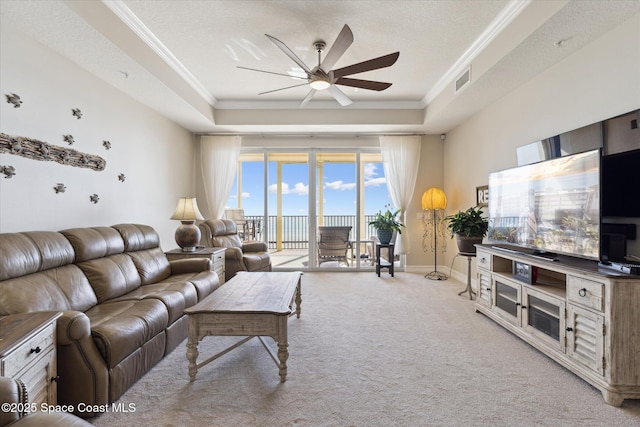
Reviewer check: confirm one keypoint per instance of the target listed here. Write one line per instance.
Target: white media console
(585, 317)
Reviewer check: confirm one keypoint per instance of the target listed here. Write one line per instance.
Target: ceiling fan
(323, 77)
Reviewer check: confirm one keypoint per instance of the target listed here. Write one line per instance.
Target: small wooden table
(249, 305)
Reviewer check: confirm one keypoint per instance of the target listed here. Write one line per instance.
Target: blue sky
(339, 184)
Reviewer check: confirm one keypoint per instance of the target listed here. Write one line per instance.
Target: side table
(28, 353)
(381, 263)
(216, 255)
(469, 256)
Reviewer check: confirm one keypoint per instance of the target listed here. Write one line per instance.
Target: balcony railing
(295, 228)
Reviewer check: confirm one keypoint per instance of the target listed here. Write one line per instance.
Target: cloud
(375, 182)
(370, 170)
(245, 195)
(340, 185)
(299, 188)
(371, 178)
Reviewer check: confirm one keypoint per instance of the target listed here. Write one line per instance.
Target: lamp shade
(434, 198)
(187, 210)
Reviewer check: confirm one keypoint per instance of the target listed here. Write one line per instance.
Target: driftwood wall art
(39, 150)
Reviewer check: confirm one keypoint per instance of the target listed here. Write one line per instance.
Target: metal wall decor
(69, 139)
(107, 145)
(8, 171)
(77, 113)
(60, 188)
(121, 177)
(94, 198)
(14, 99)
(38, 150)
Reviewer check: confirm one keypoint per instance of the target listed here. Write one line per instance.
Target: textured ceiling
(181, 57)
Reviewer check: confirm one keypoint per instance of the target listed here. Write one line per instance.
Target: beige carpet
(369, 351)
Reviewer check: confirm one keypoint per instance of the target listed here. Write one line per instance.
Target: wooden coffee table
(249, 305)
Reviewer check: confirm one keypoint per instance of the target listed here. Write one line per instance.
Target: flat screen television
(620, 197)
(551, 207)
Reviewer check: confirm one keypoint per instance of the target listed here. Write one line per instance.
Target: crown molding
(126, 15)
(501, 21)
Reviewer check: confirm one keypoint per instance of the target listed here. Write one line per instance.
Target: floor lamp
(434, 202)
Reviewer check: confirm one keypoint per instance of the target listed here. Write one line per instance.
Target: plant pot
(466, 244)
(384, 236)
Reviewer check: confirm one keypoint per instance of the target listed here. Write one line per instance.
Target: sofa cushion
(58, 289)
(120, 328)
(142, 244)
(111, 276)
(257, 261)
(152, 265)
(174, 301)
(186, 289)
(230, 241)
(137, 237)
(95, 242)
(205, 282)
(25, 253)
(37, 274)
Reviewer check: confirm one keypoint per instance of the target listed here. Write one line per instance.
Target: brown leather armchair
(239, 256)
(21, 413)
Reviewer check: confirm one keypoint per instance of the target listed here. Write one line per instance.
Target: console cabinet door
(585, 337)
(543, 317)
(484, 295)
(507, 299)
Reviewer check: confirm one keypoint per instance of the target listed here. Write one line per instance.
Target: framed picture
(524, 272)
(482, 196)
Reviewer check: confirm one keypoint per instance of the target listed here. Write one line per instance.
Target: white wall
(598, 82)
(155, 154)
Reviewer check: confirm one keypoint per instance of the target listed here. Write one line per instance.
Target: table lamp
(188, 234)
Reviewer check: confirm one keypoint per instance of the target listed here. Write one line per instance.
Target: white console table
(584, 317)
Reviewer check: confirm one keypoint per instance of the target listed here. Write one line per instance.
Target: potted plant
(469, 227)
(385, 224)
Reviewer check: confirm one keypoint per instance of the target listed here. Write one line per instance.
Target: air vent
(463, 80)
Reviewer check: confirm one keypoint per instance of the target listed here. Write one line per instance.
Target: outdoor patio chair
(334, 243)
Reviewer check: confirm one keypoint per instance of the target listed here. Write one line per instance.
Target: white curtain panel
(401, 159)
(219, 159)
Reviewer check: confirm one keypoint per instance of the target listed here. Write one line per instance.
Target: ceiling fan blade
(283, 88)
(308, 97)
(283, 47)
(339, 47)
(362, 84)
(271, 72)
(339, 95)
(372, 64)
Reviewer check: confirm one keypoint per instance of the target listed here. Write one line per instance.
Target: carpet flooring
(369, 351)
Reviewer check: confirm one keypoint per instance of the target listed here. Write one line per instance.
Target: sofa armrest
(189, 265)
(12, 391)
(254, 247)
(73, 326)
(233, 254)
(83, 373)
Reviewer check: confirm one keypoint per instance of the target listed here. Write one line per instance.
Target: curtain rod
(309, 135)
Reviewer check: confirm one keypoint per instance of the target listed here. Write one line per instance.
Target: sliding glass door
(312, 207)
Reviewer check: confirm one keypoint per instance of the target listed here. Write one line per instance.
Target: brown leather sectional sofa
(122, 301)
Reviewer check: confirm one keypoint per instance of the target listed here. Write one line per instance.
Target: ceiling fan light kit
(319, 78)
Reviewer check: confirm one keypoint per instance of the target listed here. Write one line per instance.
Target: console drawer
(585, 292)
(483, 259)
(28, 351)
